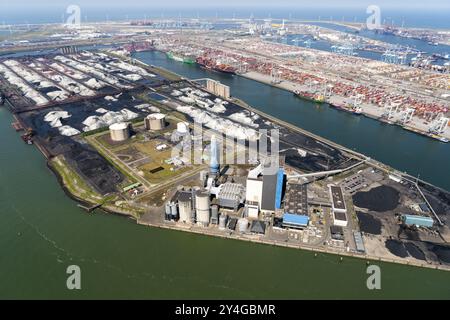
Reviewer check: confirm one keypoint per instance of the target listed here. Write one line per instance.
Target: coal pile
(397, 248)
(379, 199)
(414, 251)
(442, 252)
(87, 162)
(97, 170)
(368, 223)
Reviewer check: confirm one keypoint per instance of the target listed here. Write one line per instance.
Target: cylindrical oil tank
(223, 221)
(214, 214)
(174, 211)
(242, 225)
(119, 131)
(202, 207)
(185, 210)
(155, 121)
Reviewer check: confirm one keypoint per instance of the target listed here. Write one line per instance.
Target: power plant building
(231, 195)
(254, 192)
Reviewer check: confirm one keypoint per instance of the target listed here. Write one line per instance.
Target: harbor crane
(275, 75)
(439, 125)
(407, 115)
(390, 112)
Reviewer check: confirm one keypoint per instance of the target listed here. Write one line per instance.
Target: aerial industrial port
(123, 136)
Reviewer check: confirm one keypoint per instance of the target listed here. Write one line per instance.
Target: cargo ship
(180, 58)
(215, 65)
(427, 134)
(139, 47)
(313, 97)
(348, 108)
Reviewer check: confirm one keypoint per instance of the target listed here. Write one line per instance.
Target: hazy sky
(405, 4)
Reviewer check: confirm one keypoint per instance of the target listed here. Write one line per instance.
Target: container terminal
(113, 128)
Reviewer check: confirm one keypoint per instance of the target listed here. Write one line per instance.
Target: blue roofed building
(295, 221)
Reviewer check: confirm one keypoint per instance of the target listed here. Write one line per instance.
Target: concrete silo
(202, 207)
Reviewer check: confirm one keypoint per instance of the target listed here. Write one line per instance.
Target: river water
(42, 232)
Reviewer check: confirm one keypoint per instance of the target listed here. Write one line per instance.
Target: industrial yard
(115, 130)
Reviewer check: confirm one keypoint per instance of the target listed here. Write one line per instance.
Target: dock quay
(89, 209)
(338, 253)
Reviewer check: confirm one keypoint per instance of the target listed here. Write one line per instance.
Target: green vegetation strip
(74, 183)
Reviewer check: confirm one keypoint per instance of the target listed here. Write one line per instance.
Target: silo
(242, 225)
(174, 211)
(155, 121)
(185, 209)
(119, 131)
(214, 214)
(223, 221)
(193, 212)
(168, 212)
(202, 207)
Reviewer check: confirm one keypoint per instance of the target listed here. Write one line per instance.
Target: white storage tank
(182, 128)
(243, 225)
(119, 131)
(155, 121)
(202, 207)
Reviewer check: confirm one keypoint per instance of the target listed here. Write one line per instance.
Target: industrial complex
(123, 136)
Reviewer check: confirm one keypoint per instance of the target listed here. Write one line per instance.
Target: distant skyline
(404, 4)
(428, 14)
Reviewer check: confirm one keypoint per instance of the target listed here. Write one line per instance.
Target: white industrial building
(339, 208)
(254, 191)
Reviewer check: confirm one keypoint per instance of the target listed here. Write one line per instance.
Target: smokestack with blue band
(214, 161)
